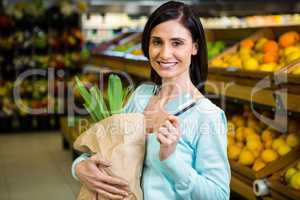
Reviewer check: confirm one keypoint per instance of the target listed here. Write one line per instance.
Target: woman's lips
(166, 65)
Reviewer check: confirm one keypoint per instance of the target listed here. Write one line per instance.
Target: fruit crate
(268, 170)
(115, 41)
(228, 38)
(254, 74)
(124, 46)
(291, 71)
(276, 183)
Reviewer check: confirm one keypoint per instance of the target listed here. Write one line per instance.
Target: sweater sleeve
(209, 178)
(80, 158)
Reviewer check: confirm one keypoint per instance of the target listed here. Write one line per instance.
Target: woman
(186, 156)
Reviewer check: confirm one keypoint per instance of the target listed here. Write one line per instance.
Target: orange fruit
(289, 38)
(247, 44)
(270, 46)
(270, 57)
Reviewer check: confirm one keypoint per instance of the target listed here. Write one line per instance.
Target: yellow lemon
(239, 135)
(253, 137)
(230, 140)
(289, 173)
(244, 52)
(234, 152)
(293, 56)
(277, 143)
(218, 63)
(283, 149)
(268, 67)
(246, 157)
(248, 131)
(260, 43)
(238, 120)
(295, 181)
(269, 155)
(250, 64)
(289, 50)
(292, 140)
(258, 165)
(267, 135)
(268, 144)
(254, 145)
(256, 153)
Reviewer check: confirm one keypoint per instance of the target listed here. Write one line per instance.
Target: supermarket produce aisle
(34, 166)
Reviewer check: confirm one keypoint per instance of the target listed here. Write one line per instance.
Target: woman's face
(170, 50)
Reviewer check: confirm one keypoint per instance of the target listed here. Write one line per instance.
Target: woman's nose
(165, 52)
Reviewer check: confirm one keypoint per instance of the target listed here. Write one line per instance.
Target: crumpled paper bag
(119, 139)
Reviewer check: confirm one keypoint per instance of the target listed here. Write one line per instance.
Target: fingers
(97, 159)
(109, 195)
(109, 188)
(162, 139)
(169, 126)
(113, 180)
(174, 120)
(98, 181)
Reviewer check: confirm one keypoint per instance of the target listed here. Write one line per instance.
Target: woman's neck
(173, 88)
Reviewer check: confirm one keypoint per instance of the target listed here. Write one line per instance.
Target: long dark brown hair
(177, 10)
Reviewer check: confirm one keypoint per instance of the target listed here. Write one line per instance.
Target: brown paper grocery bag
(119, 139)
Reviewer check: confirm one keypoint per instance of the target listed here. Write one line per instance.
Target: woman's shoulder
(147, 88)
(205, 106)
(207, 111)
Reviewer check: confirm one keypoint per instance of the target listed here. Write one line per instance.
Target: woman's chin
(167, 74)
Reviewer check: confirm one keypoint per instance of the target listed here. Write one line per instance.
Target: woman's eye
(156, 43)
(175, 44)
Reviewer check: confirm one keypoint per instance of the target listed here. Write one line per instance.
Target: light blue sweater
(199, 168)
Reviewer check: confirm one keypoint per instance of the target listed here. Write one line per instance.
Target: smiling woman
(174, 25)
(170, 52)
(186, 155)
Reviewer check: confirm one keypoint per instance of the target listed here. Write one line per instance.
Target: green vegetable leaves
(94, 100)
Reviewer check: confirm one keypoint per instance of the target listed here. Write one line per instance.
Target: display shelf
(261, 96)
(244, 187)
(239, 86)
(266, 171)
(276, 182)
(133, 67)
(28, 123)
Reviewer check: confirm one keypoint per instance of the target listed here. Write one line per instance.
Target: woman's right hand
(99, 182)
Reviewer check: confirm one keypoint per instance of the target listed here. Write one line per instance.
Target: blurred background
(254, 75)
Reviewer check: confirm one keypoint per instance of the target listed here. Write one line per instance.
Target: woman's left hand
(168, 135)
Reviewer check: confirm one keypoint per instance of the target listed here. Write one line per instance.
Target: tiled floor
(35, 167)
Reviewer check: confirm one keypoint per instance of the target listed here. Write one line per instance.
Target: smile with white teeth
(167, 64)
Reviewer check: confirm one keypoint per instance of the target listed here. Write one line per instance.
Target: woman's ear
(195, 48)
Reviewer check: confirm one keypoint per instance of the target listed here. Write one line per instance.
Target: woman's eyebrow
(156, 37)
(177, 38)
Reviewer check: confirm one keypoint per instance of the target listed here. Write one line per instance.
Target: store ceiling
(201, 7)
